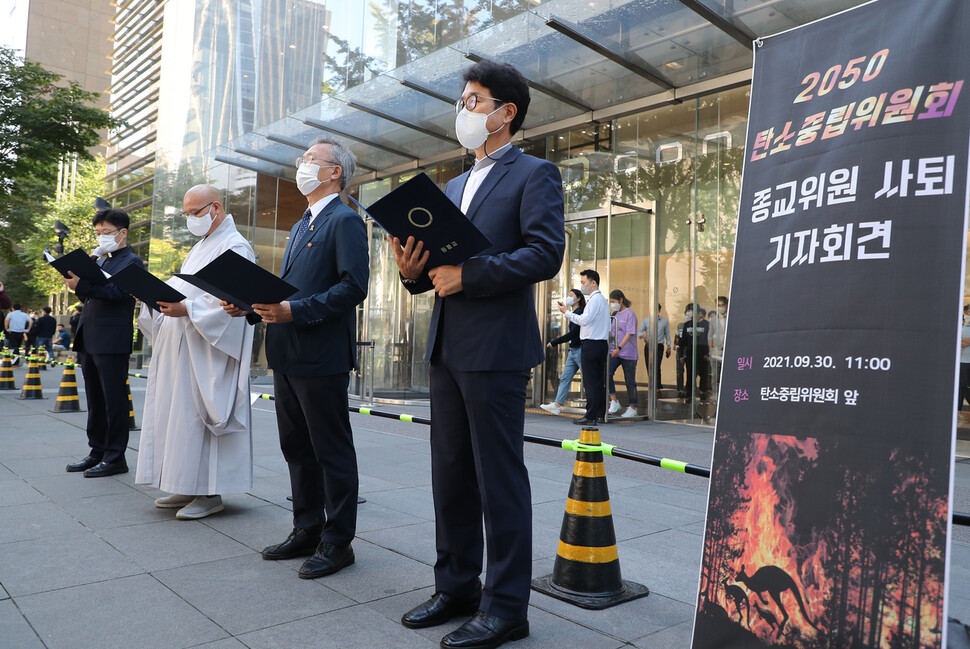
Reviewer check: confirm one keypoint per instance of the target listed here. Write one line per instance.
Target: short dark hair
(721, 298)
(60, 324)
(117, 218)
(505, 83)
(16, 307)
(47, 310)
(591, 274)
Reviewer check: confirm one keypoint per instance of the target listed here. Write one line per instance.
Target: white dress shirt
(477, 175)
(318, 207)
(594, 321)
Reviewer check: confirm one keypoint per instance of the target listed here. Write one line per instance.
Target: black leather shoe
(83, 465)
(300, 543)
(584, 421)
(103, 469)
(485, 632)
(442, 607)
(327, 560)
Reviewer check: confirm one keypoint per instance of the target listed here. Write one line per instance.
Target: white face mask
(614, 306)
(570, 300)
(721, 310)
(107, 242)
(199, 225)
(471, 128)
(585, 289)
(306, 178)
(688, 315)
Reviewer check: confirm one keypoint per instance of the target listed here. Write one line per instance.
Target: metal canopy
(588, 62)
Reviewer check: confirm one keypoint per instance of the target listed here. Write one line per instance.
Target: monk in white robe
(196, 438)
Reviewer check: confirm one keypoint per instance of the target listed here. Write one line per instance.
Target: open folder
(419, 209)
(235, 279)
(146, 287)
(81, 264)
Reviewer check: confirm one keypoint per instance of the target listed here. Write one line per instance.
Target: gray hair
(343, 157)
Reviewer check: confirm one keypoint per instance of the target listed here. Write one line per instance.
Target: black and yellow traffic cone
(41, 358)
(67, 397)
(6, 373)
(131, 408)
(32, 388)
(587, 568)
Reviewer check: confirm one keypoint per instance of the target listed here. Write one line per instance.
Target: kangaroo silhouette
(768, 617)
(737, 595)
(774, 581)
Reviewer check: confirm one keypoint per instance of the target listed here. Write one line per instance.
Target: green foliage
(40, 122)
(73, 211)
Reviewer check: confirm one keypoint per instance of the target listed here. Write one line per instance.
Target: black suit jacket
(107, 320)
(491, 325)
(330, 269)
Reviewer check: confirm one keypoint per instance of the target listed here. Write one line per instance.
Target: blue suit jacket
(330, 269)
(491, 325)
(107, 320)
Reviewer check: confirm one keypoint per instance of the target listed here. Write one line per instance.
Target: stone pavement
(92, 563)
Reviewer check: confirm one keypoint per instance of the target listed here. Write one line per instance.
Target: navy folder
(145, 286)
(235, 279)
(81, 264)
(420, 209)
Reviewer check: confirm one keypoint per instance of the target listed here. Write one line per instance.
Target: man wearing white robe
(196, 439)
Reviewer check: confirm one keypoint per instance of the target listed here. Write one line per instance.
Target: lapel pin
(309, 245)
(311, 228)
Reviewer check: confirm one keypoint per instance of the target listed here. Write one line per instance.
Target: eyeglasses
(110, 234)
(472, 101)
(194, 213)
(309, 159)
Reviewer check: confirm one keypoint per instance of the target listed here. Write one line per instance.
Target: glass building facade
(641, 103)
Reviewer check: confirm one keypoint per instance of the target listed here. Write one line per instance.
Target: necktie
(300, 231)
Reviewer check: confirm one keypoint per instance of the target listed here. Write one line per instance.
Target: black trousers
(478, 471)
(964, 392)
(318, 445)
(106, 395)
(592, 360)
(660, 357)
(703, 370)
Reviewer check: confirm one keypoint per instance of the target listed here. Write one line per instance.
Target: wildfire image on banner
(791, 558)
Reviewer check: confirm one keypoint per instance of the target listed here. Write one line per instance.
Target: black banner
(828, 512)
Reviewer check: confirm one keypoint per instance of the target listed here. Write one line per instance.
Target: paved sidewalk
(92, 563)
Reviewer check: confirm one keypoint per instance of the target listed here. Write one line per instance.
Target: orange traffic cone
(587, 567)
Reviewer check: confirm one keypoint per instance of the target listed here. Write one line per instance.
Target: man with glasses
(310, 345)
(482, 345)
(103, 345)
(196, 441)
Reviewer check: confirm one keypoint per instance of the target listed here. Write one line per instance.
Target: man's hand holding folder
(411, 259)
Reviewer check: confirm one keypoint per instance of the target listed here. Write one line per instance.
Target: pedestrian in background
(576, 303)
(623, 353)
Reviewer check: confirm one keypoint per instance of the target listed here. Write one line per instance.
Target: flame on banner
(773, 464)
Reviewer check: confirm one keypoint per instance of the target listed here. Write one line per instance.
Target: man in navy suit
(310, 345)
(103, 345)
(482, 344)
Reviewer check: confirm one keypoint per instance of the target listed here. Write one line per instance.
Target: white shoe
(629, 412)
(200, 507)
(175, 501)
(614, 407)
(551, 407)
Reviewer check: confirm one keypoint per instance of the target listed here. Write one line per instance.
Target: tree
(40, 122)
(73, 211)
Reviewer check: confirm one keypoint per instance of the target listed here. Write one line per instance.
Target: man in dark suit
(103, 345)
(482, 344)
(310, 345)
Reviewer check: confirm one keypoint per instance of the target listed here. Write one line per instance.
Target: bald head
(202, 200)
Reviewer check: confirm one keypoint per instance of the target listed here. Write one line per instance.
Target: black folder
(145, 286)
(235, 279)
(81, 264)
(420, 209)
